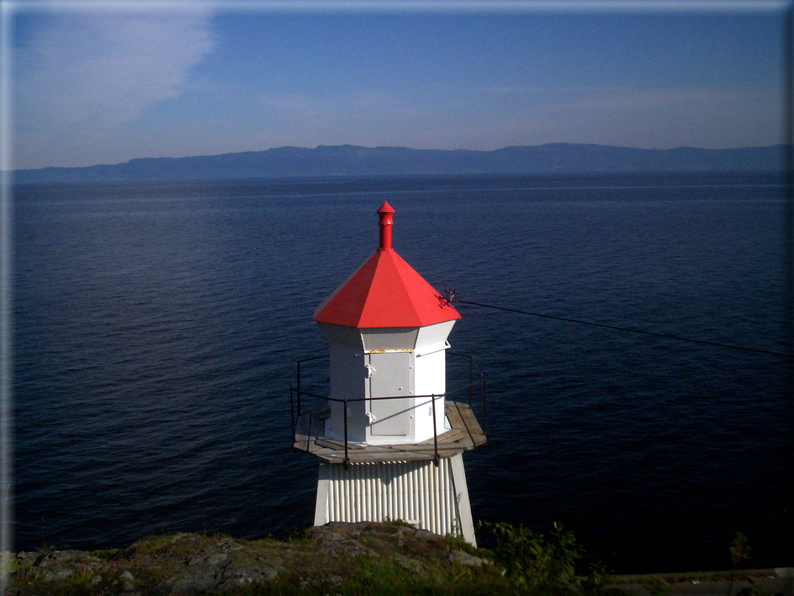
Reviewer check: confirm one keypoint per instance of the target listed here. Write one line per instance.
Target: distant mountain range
(351, 160)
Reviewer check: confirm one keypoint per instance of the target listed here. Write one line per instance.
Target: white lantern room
(387, 330)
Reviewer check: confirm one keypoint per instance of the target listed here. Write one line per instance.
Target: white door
(390, 375)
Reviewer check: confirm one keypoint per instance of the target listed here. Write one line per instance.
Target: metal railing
(295, 393)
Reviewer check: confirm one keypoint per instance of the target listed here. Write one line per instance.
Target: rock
(408, 563)
(56, 574)
(25, 559)
(465, 559)
(211, 559)
(184, 587)
(334, 580)
(55, 566)
(415, 532)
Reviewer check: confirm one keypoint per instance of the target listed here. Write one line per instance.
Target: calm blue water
(157, 326)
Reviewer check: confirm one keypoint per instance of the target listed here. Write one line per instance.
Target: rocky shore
(322, 561)
(365, 558)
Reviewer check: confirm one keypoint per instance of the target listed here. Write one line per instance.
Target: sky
(106, 82)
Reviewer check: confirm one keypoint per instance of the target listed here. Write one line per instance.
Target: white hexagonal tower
(387, 329)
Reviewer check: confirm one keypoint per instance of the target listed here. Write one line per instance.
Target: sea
(158, 326)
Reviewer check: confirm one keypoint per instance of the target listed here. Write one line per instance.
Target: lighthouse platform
(465, 433)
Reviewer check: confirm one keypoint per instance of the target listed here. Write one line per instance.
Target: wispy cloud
(78, 75)
(703, 116)
(699, 116)
(674, 97)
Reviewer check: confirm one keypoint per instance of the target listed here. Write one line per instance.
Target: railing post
(471, 379)
(435, 432)
(299, 387)
(292, 412)
(347, 461)
(483, 404)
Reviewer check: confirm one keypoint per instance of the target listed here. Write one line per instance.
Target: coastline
(369, 558)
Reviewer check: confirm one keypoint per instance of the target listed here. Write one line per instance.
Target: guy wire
(451, 298)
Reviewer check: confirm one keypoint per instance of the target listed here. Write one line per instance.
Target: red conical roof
(385, 292)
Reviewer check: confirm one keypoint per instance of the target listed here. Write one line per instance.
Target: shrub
(532, 561)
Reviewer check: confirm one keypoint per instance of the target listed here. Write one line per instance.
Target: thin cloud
(732, 100)
(663, 118)
(79, 75)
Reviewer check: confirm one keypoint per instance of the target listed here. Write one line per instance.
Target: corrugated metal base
(434, 498)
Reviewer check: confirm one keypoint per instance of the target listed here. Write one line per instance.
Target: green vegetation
(541, 565)
(655, 585)
(535, 564)
(739, 549)
(106, 554)
(740, 552)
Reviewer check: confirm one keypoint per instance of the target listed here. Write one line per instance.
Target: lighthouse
(388, 433)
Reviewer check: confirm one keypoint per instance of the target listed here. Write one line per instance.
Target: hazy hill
(350, 160)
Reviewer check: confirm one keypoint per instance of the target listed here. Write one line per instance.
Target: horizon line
(775, 145)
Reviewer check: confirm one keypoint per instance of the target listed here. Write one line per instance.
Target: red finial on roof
(385, 223)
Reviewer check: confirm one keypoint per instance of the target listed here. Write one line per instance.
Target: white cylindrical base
(434, 498)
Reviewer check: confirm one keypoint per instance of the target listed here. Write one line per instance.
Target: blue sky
(105, 82)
